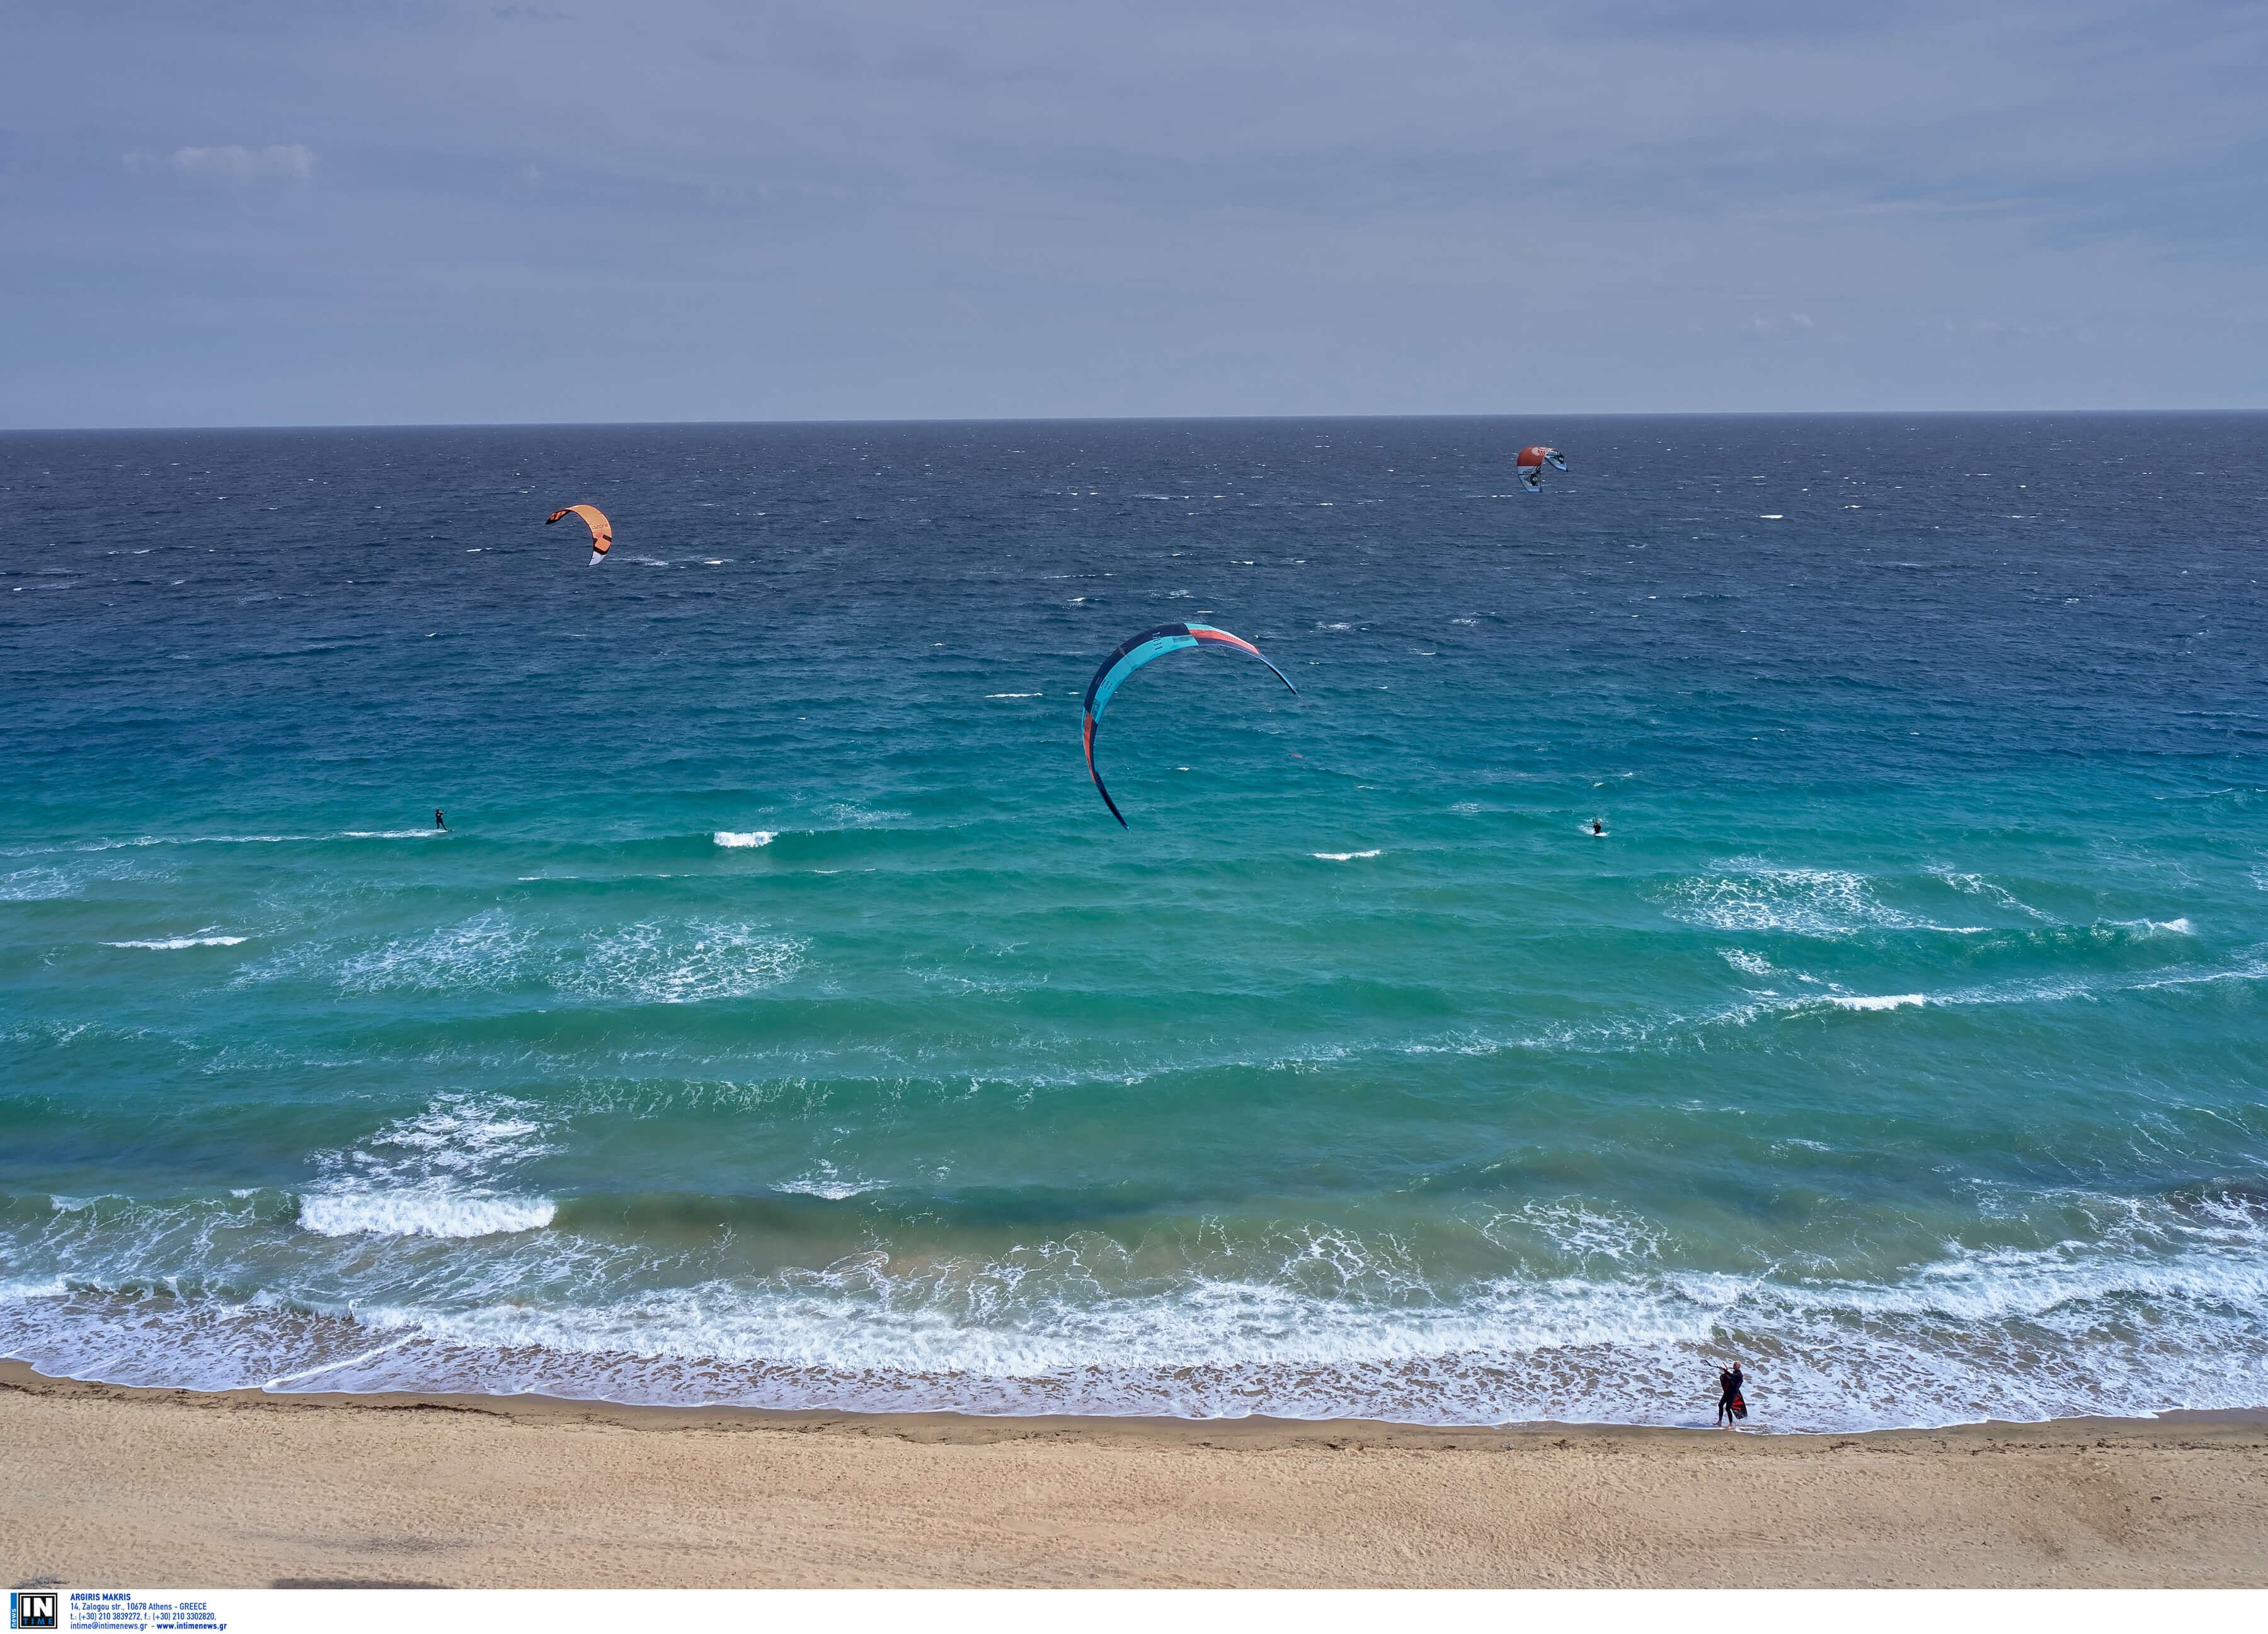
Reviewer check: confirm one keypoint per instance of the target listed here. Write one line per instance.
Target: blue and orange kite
(1137, 652)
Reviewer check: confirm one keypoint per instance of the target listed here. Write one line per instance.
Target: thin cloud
(290, 163)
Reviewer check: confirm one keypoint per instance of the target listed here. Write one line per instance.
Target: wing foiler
(1531, 462)
(603, 532)
(1138, 651)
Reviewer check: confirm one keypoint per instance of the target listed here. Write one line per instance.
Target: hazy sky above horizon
(247, 212)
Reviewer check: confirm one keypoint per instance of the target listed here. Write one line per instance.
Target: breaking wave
(1593, 1319)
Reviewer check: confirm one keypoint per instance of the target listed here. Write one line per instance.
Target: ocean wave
(737, 842)
(644, 961)
(680, 965)
(486, 951)
(1830, 902)
(434, 1174)
(849, 815)
(170, 942)
(1345, 857)
(1976, 884)
(2168, 1308)
(431, 1214)
(50, 884)
(158, 839)
(824, 1181)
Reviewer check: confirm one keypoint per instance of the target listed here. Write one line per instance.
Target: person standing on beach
(1730, 1407)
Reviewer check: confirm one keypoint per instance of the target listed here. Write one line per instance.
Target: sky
(217, 212)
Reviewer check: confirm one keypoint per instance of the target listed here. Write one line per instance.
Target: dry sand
(116, 1487)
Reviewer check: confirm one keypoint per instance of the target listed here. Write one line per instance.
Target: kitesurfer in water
(438, 822)
(1598, 827)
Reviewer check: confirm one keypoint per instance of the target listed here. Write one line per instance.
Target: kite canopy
(1132, 655)
(1531, 462)
(603, 532)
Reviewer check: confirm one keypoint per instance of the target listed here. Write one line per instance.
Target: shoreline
(137, 1485)
(959, 1429)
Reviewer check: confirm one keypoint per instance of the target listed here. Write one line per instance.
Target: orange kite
(603, 532)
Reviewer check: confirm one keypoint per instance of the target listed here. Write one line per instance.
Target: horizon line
(1041, 420)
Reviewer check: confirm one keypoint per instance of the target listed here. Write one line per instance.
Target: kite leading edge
(1135, 653)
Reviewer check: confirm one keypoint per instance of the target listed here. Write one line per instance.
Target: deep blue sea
(782, 1018)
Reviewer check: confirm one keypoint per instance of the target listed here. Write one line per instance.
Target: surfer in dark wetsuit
(1730, 1407)
(1598, 827)
(437, 823)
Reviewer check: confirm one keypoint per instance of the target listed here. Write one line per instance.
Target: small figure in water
(1730, 1407)
(437, 823)
(1598, 828)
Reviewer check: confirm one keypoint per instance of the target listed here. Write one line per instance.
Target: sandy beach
(236, 1489)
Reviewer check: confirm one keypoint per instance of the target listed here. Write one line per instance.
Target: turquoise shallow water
(783, 1019)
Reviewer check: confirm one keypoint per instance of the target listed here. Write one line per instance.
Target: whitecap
(1344, 857)
(1976, 884)
(1798, 902)
(1884, 1001)
(740, 841)
(182, 941)
(427, 1213)
(485, 951)
(683, 965)
(824, 1181)
(433, 1174)
(2157, 927)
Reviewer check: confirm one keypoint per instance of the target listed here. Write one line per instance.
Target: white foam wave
(433, 1174)
(183, 941)
(1798, 902)
(158, 839)
(2157, 927)
(680, 965)
(140, 842)
(1875, 1001)
(1753, 964)
(753, 838)
(644, 962)
(1015, 694)
(486, 951)
(1630, 1342)
(433, 1213)
(1976, 884)
(1345, 857)
(51, 884)
(1592, 1318)
(824, 1181)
